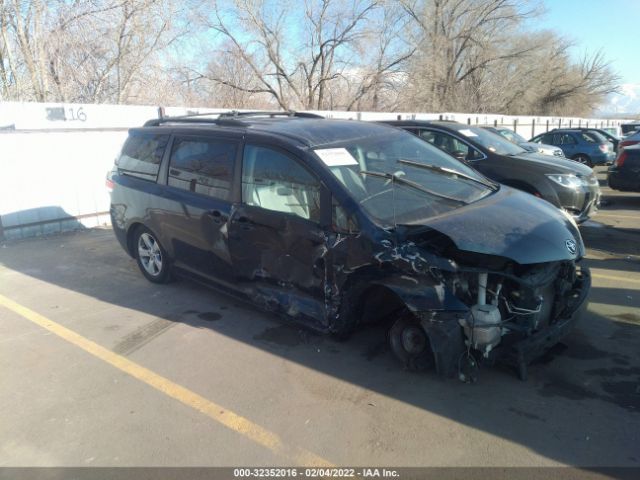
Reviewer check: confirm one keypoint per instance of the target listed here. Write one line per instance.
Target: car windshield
(512, 136)
(398, 178)
(594, 137)
(493, 142)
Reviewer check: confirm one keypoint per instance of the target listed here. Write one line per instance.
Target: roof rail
(232, 117)
(270, 113)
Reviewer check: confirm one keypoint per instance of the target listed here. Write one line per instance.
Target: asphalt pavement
(101, 368)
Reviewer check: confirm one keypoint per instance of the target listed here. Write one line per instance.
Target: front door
(275, 234)
(198, 204)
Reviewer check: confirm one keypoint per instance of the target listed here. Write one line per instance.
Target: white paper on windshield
(468, 133)
(336, 157)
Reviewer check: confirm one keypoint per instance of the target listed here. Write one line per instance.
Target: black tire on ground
(584, 160)
(410, 343)
(152, 258)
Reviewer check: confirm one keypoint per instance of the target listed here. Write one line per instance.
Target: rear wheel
(410, 343)
(151, 257)
(584, 160)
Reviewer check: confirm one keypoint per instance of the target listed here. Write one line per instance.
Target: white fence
(54, 157)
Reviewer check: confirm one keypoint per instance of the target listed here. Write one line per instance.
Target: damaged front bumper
(517, 349)
(522, 352)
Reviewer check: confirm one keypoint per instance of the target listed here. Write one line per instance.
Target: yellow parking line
(226, 417)
(612, 277)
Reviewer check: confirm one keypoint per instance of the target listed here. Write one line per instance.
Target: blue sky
(610, 25)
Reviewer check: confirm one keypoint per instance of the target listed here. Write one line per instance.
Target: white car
(528, 146)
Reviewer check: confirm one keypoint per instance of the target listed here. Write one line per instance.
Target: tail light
(109, 184)
(627, 143)
(603, 148)
(622, 156)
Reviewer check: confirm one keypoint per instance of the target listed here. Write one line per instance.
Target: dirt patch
(530, 416)
(282, 335)
(209, 316)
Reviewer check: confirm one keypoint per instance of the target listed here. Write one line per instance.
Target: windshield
(594, 137)
(494, 142)
(398, 178)
(512, 136)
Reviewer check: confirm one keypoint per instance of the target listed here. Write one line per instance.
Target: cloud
(627, 101)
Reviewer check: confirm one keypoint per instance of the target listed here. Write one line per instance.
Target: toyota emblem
(571, 246)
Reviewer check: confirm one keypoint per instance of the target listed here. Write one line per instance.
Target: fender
(422, 294)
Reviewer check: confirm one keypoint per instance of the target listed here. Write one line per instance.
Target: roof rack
(270, 113)
(232, 118)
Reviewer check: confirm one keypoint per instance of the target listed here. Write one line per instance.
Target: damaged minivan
(340, 223)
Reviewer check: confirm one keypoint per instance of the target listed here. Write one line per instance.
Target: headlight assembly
(566, 180)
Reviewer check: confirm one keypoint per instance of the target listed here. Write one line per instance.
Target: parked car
(587, 147)
(629, 128)
(612, 139)
(563, 183)
(528, 146)
(624, 174)
(629, 140)
(337, 223)
(615, 131)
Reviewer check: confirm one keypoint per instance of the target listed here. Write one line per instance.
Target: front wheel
(584, 160)
(151, 257)
(410, 343)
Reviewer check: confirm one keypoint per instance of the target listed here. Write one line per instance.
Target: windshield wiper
(409, 183)
(449, 171)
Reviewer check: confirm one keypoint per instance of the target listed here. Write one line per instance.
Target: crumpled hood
(511, 224)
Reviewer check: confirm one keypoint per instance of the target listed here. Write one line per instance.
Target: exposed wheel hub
(414, 340)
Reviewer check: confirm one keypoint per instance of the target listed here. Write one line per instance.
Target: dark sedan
(624, 175)
(564, 183)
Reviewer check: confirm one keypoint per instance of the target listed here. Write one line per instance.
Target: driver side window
(274, 181)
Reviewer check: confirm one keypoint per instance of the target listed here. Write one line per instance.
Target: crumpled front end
(497, 309)
(517, 313)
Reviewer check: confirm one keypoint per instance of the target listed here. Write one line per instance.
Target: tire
(410, 343)
(151, 257)
(584, 160)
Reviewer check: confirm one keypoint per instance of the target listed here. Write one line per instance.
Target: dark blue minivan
(338, 223)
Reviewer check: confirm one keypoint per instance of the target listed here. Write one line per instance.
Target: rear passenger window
(275, 181)
(141, 155)
(203, 166)
(563, 139)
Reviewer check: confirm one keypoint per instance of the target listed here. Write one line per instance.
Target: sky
(607, 25)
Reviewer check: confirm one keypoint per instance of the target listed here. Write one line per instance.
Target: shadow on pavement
(576, 394)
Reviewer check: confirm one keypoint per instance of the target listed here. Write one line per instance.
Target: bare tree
(94, 50)
(433, 55)
(305, 66)
(460, 38)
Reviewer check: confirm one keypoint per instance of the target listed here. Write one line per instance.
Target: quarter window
(340, 220)
(275, 181)
(203, 166)
(141, 155)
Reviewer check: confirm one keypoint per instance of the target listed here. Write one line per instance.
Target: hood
(556, 164)
(510, 224)
(535, 147)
